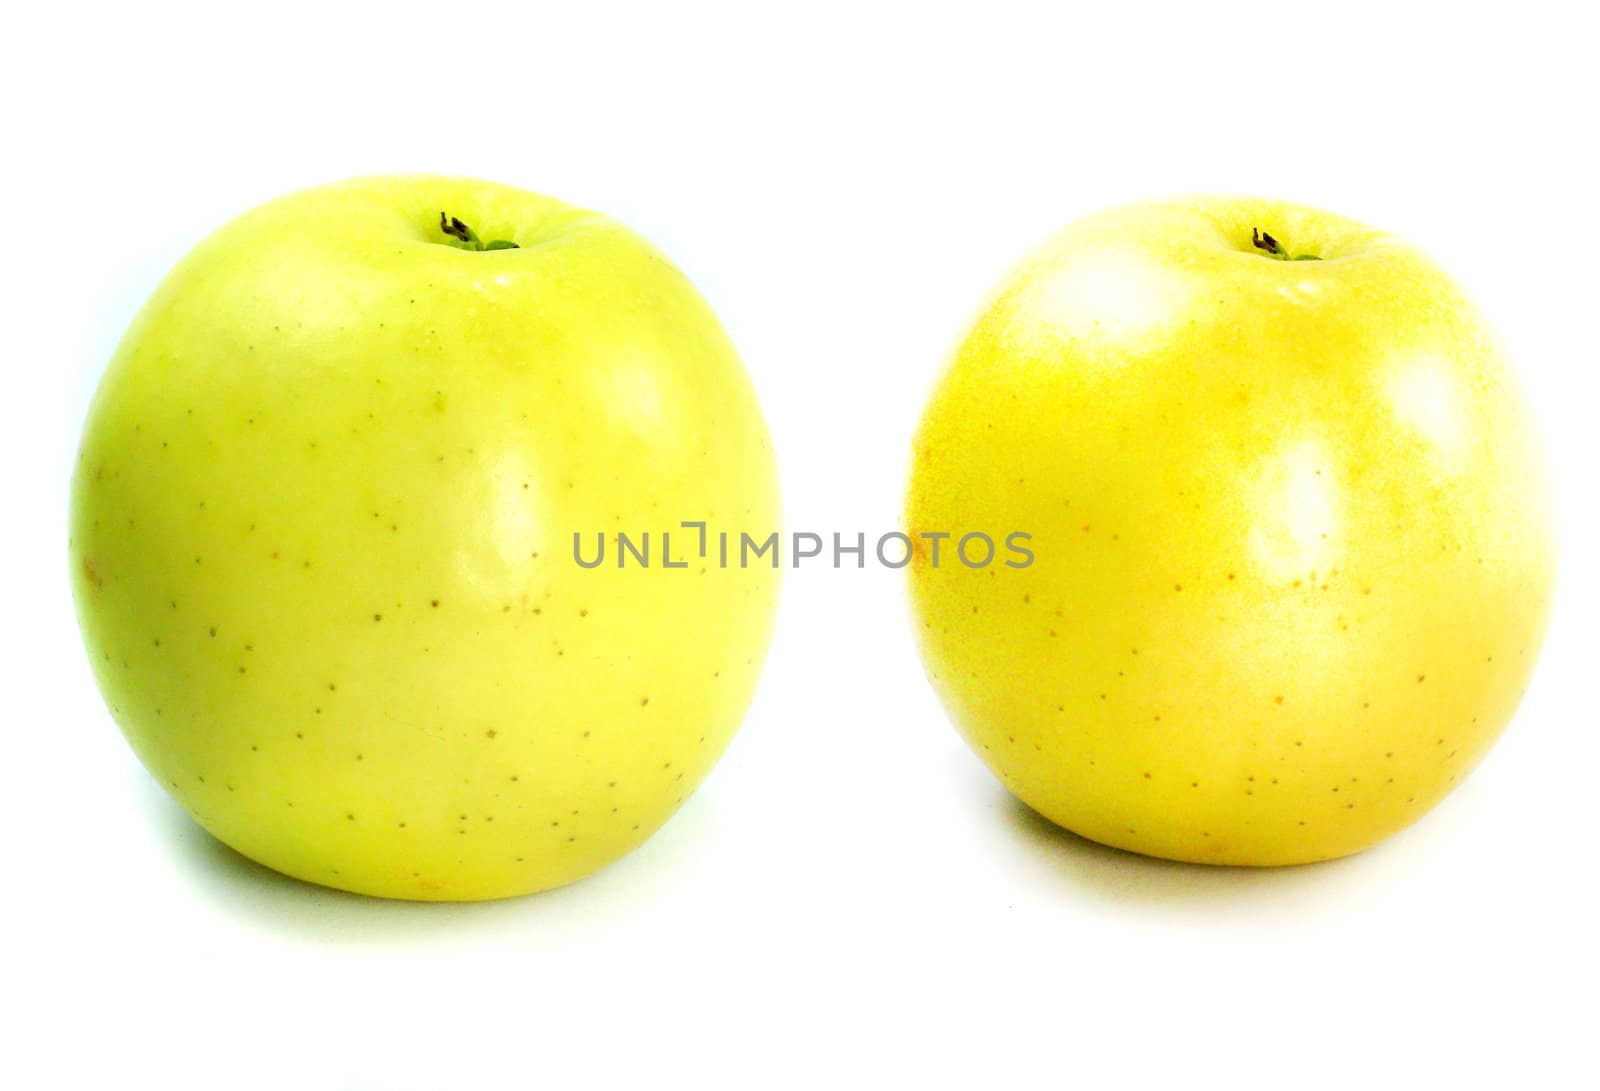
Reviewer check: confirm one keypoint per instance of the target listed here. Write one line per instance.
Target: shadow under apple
(1244, 895)
(273, 901)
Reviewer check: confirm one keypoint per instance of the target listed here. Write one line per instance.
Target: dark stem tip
(466, 238)
(1264, 241)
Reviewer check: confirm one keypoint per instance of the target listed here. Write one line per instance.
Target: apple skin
(321, 539)
(1292, 525)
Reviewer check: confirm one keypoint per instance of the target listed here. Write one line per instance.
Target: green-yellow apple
(1291, 526)
(322, 537)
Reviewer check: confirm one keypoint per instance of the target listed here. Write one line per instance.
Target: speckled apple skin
(322, 539)
(1292, 524)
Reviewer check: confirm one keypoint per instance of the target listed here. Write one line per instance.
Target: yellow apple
(1291, 526)
(322, 537)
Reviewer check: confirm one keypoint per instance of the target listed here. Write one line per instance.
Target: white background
(850, 900)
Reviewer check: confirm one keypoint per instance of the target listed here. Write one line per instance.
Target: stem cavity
(1263, 241)
(464, 238)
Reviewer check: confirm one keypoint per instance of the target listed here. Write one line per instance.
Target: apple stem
(466, 238)
(1263, 241)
